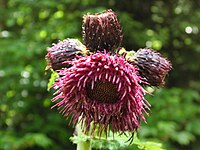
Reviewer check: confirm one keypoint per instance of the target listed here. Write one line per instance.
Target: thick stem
(82, 145)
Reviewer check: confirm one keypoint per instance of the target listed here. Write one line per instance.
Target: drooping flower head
(62, 51)
(152, 66)
(102, 31)
(104, 90)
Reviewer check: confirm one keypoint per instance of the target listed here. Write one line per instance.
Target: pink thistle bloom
(104, 90)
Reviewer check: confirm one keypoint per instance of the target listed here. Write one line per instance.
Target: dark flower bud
(63, 51)
(102, 31)
(152, 66)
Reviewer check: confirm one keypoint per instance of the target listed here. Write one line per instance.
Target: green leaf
(32, 139)
(29, 140)
(150, 146)
(116, 142)
(54, 76)
(183, 137)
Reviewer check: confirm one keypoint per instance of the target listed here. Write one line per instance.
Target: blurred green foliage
(27, 27)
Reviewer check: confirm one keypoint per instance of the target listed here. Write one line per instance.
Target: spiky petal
(104, 90)
(102, 31)
(152, 66)
(64, 51)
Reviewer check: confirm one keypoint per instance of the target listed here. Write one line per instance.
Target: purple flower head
(152, 66)
(63, 51)
(102, 91)
(102, 31)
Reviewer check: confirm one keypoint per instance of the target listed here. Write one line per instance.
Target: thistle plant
(100, 90)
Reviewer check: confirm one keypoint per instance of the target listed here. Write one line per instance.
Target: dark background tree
(27, 27)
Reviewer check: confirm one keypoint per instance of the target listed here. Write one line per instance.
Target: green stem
(82, 145)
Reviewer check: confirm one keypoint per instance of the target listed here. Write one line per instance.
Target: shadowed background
(28, 27)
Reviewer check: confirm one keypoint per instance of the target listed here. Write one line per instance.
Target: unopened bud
(102, 31)
(152, 66)
(63, 51)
